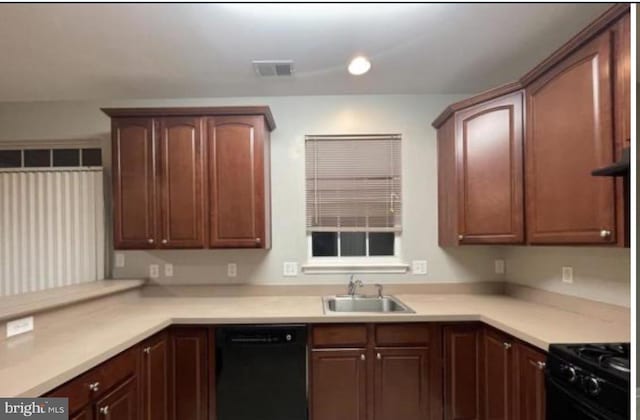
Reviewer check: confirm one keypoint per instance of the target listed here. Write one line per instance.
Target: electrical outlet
(419, 267)
(567, 274)
(119, 260)
(232, 270)
(19, 326)
(168, 270)
(154, 271)
(290, 269)
(498, 266)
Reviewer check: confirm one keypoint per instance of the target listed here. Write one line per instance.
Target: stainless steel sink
(359, 303)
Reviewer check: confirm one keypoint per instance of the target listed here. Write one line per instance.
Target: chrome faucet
(379, 286)
(353, 285)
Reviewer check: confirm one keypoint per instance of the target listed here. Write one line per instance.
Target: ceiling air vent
(273, 68)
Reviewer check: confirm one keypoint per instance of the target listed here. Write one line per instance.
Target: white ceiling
(119, 51)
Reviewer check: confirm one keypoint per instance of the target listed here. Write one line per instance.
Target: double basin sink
(360, 303)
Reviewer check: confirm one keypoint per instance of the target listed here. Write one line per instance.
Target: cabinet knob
(164, 242)
(460, 237)
(104, 410)
(363, 357)
(150, 241)
(94, 387)
(604, 233)
(147, 350)
(379, 356)
(541, 365)
(506, 345)
(258, 241)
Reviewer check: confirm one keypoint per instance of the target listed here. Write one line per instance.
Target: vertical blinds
(353, 183)
(51, 229)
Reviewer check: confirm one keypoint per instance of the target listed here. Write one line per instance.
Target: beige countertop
(35, 363)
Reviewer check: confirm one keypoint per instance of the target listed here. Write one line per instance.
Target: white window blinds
(353, 183)
(51, 229)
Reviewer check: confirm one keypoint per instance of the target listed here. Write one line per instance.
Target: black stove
(588, 381)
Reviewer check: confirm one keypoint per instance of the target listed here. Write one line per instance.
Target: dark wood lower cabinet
(120, 404)
(498, 376)
(462, 371)
(84, 414)
(402, 387)
(338, 384)
(189, 373)
(530, 383)
(154, 377)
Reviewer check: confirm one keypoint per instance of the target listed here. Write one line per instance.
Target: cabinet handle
(258, 241)
(150, 240)
(506, 345)
(363, 357)
(105, 410)
(460, 237)
(147, 350)
(379, 356)
(164, 241)
(94, 387)
(541, 365)
(604, 233)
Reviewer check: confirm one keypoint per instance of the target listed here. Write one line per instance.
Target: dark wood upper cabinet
(489, 172)
(134, 208)
(530, 383)
(575, 117)
(569, 134)
(154, 377)
(119, 404)
(498, 376)
(181, 182)
(238, 163)
(402, 385)
(338, 384)
(191, 177)
(189, 373)
(462, 372)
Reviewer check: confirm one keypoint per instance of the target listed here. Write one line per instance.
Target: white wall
(410, 115)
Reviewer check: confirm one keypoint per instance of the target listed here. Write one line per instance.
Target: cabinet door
(490, 172)
(134, 206)
(155, 378)
(236, 157)
(120, 404)
(189, 374)
(462, 372)
(402, 384)
(338, 380)
(497, 376)
(530, 383)
(84, 414)
(622, 31)
(569, 134)
(181, 168)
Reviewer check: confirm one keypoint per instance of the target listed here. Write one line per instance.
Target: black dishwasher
(261, 372)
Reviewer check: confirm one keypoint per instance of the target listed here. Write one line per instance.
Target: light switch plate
(168, 270)
(232, 270)
(419, 267)
(19, 326)
(119, 260)
(154, 271)
(567, 274)
(290, 269)
(498, 266)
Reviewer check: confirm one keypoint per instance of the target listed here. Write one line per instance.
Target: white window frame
(391, 264)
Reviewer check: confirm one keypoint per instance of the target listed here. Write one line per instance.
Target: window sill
(314, 267)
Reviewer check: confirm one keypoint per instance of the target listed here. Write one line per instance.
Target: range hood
(619, 168)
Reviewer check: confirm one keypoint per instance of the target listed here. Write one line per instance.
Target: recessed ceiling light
(359, 65)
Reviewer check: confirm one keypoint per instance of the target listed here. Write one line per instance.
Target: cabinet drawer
(353, 335)
(106, 376)
(403, 334)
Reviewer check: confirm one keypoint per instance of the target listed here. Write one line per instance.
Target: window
(353, 198)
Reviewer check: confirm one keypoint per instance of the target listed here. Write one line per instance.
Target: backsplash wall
(410, 115)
